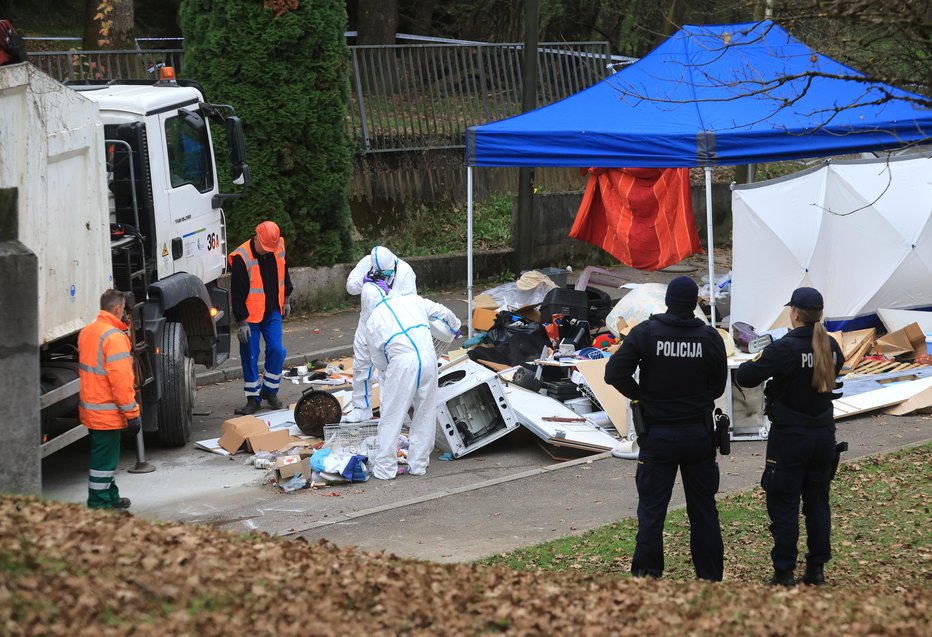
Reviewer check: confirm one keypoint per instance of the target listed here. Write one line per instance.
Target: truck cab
(168, 234)
(118, 187)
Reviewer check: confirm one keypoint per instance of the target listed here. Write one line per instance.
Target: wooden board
(921, 402)
(879, 398)
(613, 401)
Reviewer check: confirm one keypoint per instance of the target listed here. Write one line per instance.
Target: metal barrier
(404, 97)
(127, 64)
(425, 96)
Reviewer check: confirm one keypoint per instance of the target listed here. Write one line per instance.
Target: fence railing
(129, 64)
(404, 97)
(425, 96)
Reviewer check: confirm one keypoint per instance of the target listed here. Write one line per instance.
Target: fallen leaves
(65, 570)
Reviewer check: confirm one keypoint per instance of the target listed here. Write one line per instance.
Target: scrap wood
(561, 419)
(888, 396)
(921, 402)
(874, 367)
(854, 345)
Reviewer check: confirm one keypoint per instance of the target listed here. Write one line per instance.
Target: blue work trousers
(799, 466)
(270, 329)
(691, 451)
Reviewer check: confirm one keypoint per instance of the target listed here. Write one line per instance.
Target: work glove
(286, 308)
(383, 285)
(244, 333)
(133, 425)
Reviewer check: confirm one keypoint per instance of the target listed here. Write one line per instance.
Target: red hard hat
(268, 234)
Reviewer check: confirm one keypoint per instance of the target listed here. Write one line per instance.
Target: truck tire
(176, 409)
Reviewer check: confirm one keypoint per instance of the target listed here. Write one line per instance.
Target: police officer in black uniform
(683, 370)
(801, 454)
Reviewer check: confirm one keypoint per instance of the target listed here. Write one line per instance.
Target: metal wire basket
(362, 438)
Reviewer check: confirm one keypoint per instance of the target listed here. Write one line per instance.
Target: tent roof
(710, 95)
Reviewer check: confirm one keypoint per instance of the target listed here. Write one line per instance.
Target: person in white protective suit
(394, 277)
(401, 346)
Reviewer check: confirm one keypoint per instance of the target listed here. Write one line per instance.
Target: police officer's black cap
(806, 299)
(682, 294)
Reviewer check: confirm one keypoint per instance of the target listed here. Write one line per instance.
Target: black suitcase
(563, 302)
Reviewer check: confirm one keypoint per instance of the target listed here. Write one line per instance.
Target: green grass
(442, 230)
(880, 514)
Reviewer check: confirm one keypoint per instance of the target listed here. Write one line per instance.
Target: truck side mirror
(236, 146)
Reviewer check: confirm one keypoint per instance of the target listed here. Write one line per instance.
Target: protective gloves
(244, 333)
(133, 425)
(286, 308)
(383, 285)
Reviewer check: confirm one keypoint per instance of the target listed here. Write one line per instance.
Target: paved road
(504, 496)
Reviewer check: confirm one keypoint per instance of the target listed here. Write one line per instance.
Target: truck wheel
(179, 387)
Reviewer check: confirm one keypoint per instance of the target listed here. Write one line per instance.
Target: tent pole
(708, 225)
(469, 248)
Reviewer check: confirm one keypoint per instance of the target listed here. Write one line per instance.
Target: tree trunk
(377, 21)
(91, 33)
(123, 22)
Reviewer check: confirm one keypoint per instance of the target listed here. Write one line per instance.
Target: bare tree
(377, 21)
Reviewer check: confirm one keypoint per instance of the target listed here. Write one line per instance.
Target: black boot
(782, 578)
(815, 575)
(273, 401)
(251, 407)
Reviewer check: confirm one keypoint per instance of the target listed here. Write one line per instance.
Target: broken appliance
(472, 409)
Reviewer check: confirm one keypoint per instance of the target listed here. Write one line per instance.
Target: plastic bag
(637, 305)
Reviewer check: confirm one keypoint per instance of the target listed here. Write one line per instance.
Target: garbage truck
(117, 188)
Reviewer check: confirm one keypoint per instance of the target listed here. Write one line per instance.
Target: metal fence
(127, 64)
(404, 97)
(425, 96)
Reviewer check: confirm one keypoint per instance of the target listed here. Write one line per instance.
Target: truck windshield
(189, 158)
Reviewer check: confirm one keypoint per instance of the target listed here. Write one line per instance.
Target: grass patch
(880, 513)
(442, 230)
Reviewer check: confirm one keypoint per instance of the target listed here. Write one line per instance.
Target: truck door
(196, 238)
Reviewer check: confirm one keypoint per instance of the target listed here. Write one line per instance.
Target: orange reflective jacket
(255, 300)
(105, 367)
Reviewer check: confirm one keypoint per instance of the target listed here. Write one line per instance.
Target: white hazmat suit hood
(402, 282)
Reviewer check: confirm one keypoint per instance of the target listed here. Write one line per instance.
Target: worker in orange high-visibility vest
(107, 404)
(260, 288)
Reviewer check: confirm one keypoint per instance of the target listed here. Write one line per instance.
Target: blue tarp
(711, 95)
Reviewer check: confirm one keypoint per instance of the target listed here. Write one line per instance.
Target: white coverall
(402, 282)
(402, 348)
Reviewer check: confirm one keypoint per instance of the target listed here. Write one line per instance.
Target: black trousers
(799, 465)
(692, 451)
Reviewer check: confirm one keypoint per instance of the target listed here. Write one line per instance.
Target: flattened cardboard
(612, 400)
(235, 431)
(485, 301)
(908, 340)
(483, 319)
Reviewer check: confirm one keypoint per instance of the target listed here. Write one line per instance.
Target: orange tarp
(641, 216)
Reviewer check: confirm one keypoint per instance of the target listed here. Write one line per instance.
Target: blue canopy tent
(710, 95)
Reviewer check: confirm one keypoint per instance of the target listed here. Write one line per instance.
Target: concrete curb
(213, 376)
(448, 492)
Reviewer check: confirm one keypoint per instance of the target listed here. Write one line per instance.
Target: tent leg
(469, 249)
(708, 224)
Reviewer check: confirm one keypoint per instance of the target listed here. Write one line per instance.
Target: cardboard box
(270, 440)
(286, 467)
(235, 431)
(909, 340)
(254, 433)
